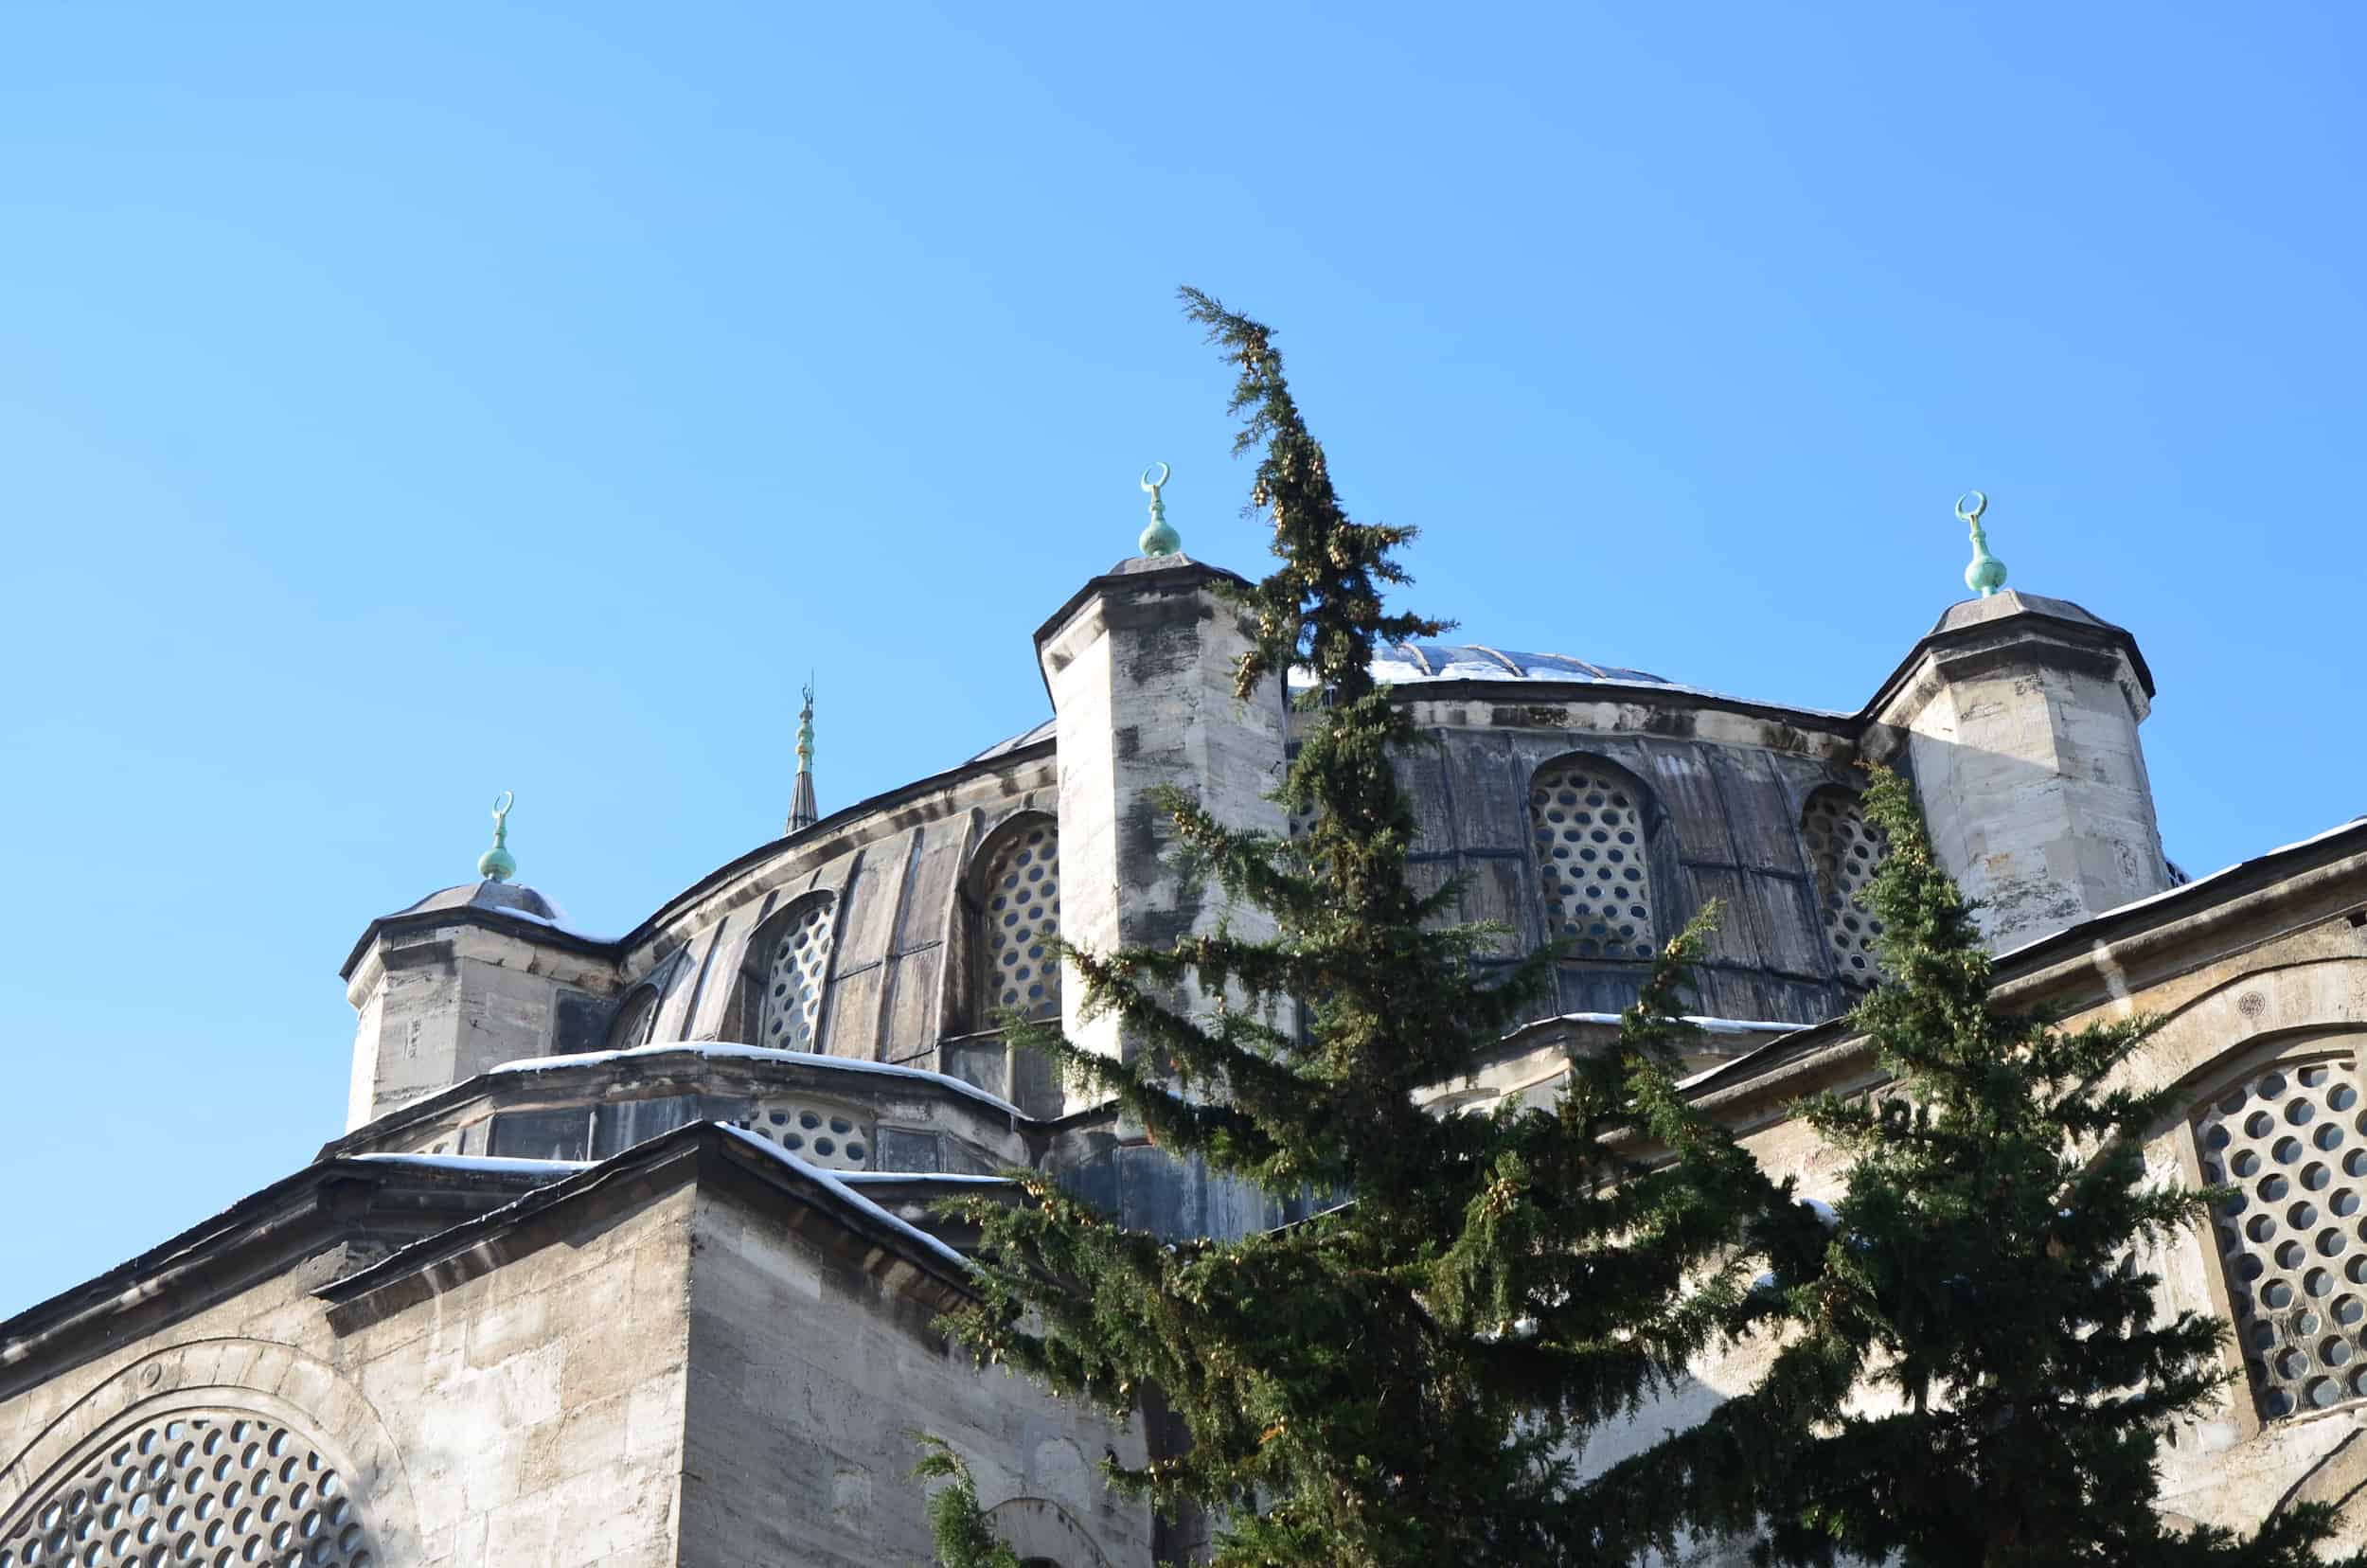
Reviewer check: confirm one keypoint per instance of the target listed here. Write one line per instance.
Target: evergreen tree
(1399, 1379)
(1979, 1375)
(956, 1522)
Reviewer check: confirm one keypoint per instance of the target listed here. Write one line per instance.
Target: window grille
(2291, 1142)
(793, 979)
(213, 1487)
(1589, 826)
(818, 1134)
(1847, 850)
(1021, 907)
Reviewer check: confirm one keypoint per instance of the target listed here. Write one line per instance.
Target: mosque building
(627, 1253)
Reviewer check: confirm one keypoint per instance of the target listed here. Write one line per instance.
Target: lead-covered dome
(509, 897)
(1399, 664)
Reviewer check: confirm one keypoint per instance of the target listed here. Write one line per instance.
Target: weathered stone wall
(898, 979)
(440, 1005)
(2018, 722)
(2288, 990)
(1140, 667)
(531, 1415)
(1723, 811)
(808, 1376)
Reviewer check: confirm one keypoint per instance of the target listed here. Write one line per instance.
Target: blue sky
(401, 404)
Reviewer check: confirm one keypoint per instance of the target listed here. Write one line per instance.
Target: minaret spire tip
(801, 812)
(1986, 574)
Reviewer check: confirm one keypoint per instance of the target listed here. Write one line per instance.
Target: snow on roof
(836, 1182)
(729, 1050)
(555, 922)
(1025, 738)
(2186, 887)
(934, 1178)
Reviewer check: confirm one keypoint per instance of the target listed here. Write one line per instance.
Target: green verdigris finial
(1986, 574)
(1159, 539)
(498, 863)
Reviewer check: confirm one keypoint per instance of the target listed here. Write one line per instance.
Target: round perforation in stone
(1023, 907)
(215, 1490)
(792, 984)
(1846, 851)
(2291, 1235)
(827, 1135)
(1588, 827)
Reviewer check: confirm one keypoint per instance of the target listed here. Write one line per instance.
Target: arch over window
(786, 969)
(1589, 820)
(2291, 1140)
(1019, 907)
(636, 1018)
(1845, 851)
(205, 1484)
(1040, 1531)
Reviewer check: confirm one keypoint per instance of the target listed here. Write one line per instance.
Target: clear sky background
(400, 404)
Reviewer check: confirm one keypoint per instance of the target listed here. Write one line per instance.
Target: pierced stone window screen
(216, 1488)
(794, 974)
(818, 1134)
(1845, 851)
(1588, 822)
(2292, 1142)
(1021, 906)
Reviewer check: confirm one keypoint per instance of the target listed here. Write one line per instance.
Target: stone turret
(467, 979)
(1139, 664)
(2018, 719)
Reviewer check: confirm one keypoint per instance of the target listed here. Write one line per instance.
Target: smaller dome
(510, 898)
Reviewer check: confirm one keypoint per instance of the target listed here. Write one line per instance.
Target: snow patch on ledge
(836, 1181)
(933, 1178)
(561, 923)
(491, 1164)
(722, 1050)
(1707, 1026)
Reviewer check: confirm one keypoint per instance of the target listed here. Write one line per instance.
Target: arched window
(1589, 822)
(1019, 907)
(784, 973)
(2291, 1141)
(636, 1018)
(213, 1486)
(1845, 852)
